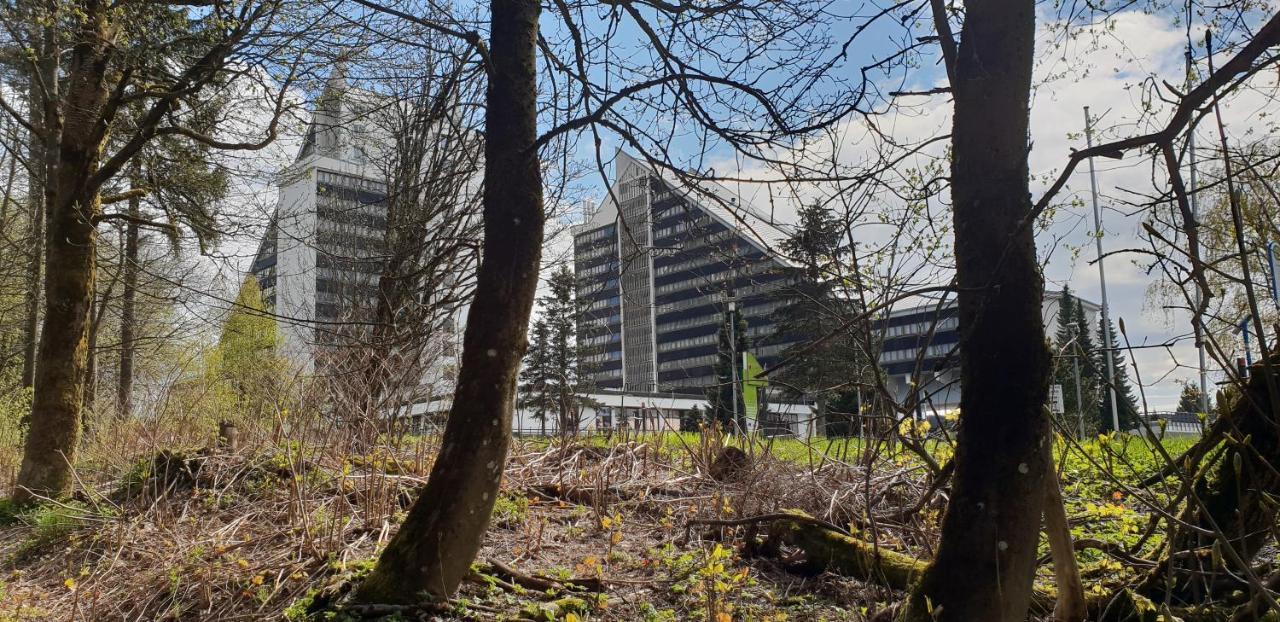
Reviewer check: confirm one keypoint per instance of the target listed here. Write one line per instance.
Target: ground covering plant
(620, 527)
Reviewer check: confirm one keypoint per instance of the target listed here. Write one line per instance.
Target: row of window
(350, 181)
(592, 236)
(602, 339)
(690, 362)
(611, 301)
(601, 322)
(611, 355)
(716, 297)
(899, 356)
(608, 266)
(712, 280)
(348, 264)
(585, 255)
(351, 216)
(922, 328)
(346, 242)
(681, 227)
(681, 344)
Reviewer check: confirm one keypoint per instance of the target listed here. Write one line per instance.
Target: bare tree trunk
(43, 90)
(70, 264)
(1071, 605)
(124, 386)
(97, 310)
(435, 546)
(987, 554)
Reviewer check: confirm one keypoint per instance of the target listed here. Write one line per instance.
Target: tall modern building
(319, 260)
(658, 266)
(919, 350)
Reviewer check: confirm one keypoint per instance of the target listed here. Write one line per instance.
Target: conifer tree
(1189, 400)
(724, 398)
(567, 373)
(247, 358)
(812, 309)
(1126, 399)
(1075, 346)
(537, 376)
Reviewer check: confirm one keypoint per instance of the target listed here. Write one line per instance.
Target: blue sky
(1104, 66)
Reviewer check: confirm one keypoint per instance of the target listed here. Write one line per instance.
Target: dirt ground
(581, 532)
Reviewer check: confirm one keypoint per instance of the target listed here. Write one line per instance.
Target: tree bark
(435, 546)
(54, 431)
(987, 554)
(124, 386)
(1071, 604)
(43, 91)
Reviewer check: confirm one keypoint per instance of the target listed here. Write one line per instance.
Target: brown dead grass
(247, 535)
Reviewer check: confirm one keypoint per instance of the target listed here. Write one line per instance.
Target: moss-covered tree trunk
(69, 266)
(987, 554)
(435, 546)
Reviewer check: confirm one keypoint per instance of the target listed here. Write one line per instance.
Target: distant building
(658, 265)
(321, 255)
(919, 349)
(614, 411)
(1165, 424)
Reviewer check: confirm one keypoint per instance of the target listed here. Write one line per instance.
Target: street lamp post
(1102, 278)
(1075, 361)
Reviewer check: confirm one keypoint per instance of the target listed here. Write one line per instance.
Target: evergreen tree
(812, 309)
(725, 394)
(247, 360)
(1126, 400)
(691, 420)
(536, 377)
(1075, 346)
(1189, 400)
(1064, 339)
(1090, 380)
(842, 414)
(567, 375)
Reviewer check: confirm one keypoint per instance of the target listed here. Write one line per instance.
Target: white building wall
(296, 265)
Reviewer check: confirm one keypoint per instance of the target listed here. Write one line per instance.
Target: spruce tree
(567, 376)
(1064, 339)
(1189, 400)
(812, 309)
(724, 398)
(1090, 379)
(1126, 400)
(536, 377)
(1075, 346)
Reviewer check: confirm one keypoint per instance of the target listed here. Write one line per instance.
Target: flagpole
(1102, 277)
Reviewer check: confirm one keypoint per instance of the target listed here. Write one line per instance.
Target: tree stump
(729, 464)
(228, 436)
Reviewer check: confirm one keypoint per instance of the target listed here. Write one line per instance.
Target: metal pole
(1102, 278)
(733, 360)
(1244, 329)
(1275, 279)
(1196, 320)
(1075, 358)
